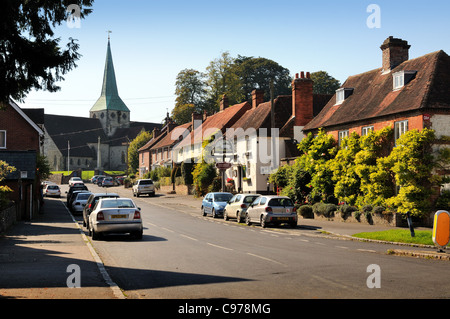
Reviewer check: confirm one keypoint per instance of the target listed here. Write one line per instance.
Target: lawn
(424, 237)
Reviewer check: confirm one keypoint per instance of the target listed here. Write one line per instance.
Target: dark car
(90, 204)
(72, 189)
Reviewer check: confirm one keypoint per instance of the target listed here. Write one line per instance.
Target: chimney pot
(395, 52)
(302, 75)
(257, 98)
(224, 103)
(296, 75)
(302, 100)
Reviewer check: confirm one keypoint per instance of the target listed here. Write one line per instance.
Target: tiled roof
(168, 138)
(219, 121)
(374, 96)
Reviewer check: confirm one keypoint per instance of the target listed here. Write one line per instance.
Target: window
(366, 130)
(340, 96)
(263, 201)
(400, 128)
(342, 135)
(2, 139)
(402, 78)
(343, 94)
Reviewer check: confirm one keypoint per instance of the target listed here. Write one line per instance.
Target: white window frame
(367, 129)
(2, 140)
(340, 96)
(399, 80)
(343, 134)
(400, 128)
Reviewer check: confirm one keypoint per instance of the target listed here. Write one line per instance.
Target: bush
(323, 209)
(306, 211)
(203, 177)
(443, 201)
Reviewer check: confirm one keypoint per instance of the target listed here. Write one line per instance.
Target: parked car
(120, 180)
(107, 182)
(115, 215)
(143, 186)
(90, 204)
(74, 180)
(237, 206)
(272, 210)
(79, 201)
(52, 190)
(95, 178)
(214, 203)
(100, 180)
(80, 187)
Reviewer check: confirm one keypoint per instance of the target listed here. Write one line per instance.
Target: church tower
(110, 109)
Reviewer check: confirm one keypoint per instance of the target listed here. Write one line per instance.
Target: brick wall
(20, 135)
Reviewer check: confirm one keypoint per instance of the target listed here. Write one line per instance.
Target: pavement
(43, 258)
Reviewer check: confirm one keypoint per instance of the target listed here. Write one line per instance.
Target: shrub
(306, 211)
(323, 209)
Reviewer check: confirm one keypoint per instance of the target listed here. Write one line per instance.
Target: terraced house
(403, 94)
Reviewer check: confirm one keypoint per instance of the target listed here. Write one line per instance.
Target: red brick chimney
(395, 52)
(224, 103)
(302, 99)
(257, 98)
(197, 120)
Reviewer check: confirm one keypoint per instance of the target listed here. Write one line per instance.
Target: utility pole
(68, 157)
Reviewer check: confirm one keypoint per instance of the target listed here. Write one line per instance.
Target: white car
(74, 180)
(52, 190)
(80, 201)
(115, 215)
(143, 186)
(237, 206)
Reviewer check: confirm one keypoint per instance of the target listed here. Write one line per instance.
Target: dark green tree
(324, 83)
(30, 55)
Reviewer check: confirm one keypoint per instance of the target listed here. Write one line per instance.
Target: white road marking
(225, 248)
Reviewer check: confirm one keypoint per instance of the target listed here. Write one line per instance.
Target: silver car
(272, 210)
(115, 215)
(79, 202)
(237, 206)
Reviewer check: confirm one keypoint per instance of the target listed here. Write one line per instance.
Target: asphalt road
(186, 256)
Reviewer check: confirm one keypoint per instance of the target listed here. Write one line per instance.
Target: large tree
(324, 83)
(258, 73)
(190, 88)
(30, 55)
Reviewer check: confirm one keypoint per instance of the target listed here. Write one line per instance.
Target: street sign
(441, 228)
(224, 166)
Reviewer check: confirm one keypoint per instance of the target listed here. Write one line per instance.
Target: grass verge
(423, 237)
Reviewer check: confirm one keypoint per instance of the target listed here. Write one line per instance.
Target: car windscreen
(83, 196)
(222, 197)
(280, 202)
(118, 203)
(250, 199)
(52, 187)
(149, 182)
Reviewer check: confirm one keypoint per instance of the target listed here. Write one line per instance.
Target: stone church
(98, 142)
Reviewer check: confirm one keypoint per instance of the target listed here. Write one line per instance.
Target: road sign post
(441, 229)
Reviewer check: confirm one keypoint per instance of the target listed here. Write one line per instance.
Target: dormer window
(342, 94)
(402, 78)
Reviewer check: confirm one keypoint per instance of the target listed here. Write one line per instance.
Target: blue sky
(152, 41)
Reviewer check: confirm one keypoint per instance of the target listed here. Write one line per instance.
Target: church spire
(109, 99)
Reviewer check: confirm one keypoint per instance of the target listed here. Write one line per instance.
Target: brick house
(20, 144)
(404, 94)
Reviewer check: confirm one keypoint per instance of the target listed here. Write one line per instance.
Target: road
(184, 255)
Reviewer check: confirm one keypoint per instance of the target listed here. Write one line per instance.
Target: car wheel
(213, 213)
(95, 235)
(137, 235)
(238, 217)
(203, 211)
(263, 222)
(225, 215)
(247, 220)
